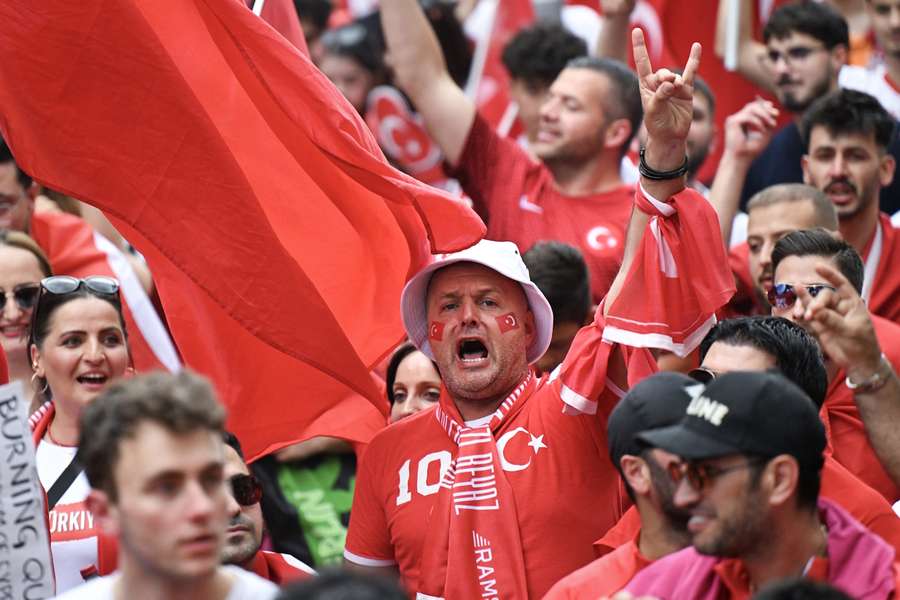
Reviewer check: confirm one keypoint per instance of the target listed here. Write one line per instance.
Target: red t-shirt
(884, 299)
(566, 488)
(606, 575)
(848, 437)
(519, 202)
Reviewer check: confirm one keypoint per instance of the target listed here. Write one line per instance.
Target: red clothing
(546, 454)
(745, 301)
(74, 248)
(519, 202)
(884, 298)
(279, 568)
(605, 576)
(847, 433)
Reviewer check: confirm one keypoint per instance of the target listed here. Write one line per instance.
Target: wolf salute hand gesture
(668, 101)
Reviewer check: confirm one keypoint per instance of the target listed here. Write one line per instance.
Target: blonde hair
(17, 239)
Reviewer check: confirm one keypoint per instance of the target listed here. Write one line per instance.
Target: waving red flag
(278, 235)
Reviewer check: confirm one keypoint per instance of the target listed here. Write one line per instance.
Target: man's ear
(32, 191)
(781, 477)
(618, 132)
(636, 474)
(886, 169)
(804, 164)
(106, 515)
(530, 327)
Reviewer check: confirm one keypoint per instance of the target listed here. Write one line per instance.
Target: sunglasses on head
(25, 295)
(64, 284)
(783, 295)
(701, 475)
(246, 489)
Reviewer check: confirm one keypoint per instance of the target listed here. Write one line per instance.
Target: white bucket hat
(502, 257)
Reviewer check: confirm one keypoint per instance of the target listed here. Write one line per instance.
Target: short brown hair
(181, 403)
(825, 213)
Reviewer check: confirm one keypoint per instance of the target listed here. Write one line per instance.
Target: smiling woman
(77, 347)
(22, 266)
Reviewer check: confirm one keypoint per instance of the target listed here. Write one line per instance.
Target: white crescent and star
(536, 443)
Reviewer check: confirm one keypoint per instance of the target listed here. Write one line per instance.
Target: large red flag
(278, 235)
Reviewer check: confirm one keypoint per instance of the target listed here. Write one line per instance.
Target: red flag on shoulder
(278, 235)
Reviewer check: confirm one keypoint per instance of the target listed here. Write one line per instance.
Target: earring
(43, 391)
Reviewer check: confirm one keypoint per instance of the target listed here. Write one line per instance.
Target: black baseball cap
(759, 413)
(657, 401)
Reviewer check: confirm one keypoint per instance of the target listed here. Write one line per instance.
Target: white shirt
(245, 586)
(73, 537)
(873, 81)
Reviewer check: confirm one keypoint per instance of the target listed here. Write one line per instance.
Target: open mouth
(471, 351)
(92, 379)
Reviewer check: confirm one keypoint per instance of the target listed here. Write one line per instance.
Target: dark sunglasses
(25, 295)
(783, 295)
(702, 374)
(701, 475)
(246, 489)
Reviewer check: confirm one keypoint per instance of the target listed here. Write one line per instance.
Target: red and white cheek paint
(507, 322)
(436, 331)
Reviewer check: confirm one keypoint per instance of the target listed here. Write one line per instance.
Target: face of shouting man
(481, 327)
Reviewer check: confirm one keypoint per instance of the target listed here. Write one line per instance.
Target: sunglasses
(702, 374)
(25, 295)
(64, 284)
(246, 489)
(700, 475)
(784, 295)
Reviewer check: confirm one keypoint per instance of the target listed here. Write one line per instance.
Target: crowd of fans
(668, 371)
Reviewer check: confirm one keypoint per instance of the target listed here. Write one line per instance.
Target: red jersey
(606, 575)
(847, 433)
(603, 577)
(881, 259)
(518, 200)
(547, 455)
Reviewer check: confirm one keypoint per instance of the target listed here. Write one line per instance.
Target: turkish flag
(278, 235)
(282, 16)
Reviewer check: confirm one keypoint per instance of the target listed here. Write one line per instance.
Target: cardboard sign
(26, 571)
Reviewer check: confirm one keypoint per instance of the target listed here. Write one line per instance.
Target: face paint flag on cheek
(507, 322)
(436, 331)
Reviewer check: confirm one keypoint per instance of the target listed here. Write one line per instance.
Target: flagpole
(481, 52)
(258, 6)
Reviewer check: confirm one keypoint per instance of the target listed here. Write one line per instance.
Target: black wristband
(650, 173)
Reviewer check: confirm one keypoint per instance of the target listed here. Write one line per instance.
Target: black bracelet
(650, 173)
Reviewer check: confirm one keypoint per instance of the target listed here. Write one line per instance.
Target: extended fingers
(845, 289)
(641, 58)
(693, 63)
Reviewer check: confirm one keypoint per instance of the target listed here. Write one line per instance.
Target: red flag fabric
(489, 81)
(282, 16)
(278, 235)
(676, 306)
(74, 248)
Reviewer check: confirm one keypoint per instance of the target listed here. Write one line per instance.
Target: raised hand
(748, 131)
(841, 323)
(668, 101)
